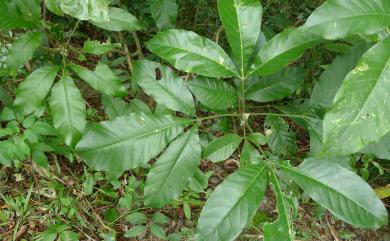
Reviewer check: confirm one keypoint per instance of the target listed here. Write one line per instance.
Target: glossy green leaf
(275, 87)
(282, 228)
(222, 148)
(95, 10)
(114, 107)
(33, 90)
(128, 141)
(164, 13)
(102, 79)
(380, 149)
(341, 191)
(166, 88)
(173, 170)
(242, 22)
(282, 49)
(22, 50)
(359, 114)
(54, 7)
(213, 93)
(222, 218)
(279, 139)
(97, 48)
(16, 14)
(330, 81)
(189, 52)
(337, 19)
(119, 20)
(68, 110)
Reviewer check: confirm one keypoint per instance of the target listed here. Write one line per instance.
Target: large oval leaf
(359, 114)
(223, 219)
(222, 148)
(339, 190)
(119, 20)
(164, 13)
(128, 141)
(33, 90)
(173, 170)
(213, 93)
(337, 19)
(189, 52)
(22, 50)
(68, 110)
(95, 10)
(160, 82)
(242, 22)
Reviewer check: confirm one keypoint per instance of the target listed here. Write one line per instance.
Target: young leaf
(164, 86)
(213, 93)
(358, 116)
(33, 90)
(173, 170)
(279, 139)
(128, 141)
(68, 110)
(223, 219)
(339, 190)
(20, 14)
(164, 13)
(54, 7)
(282, 228)
(242, 22)
(337, 19)
(95, 10)
(222, 148)
(22, 50)
(276, 86)
(102, 79)
(119, 20)
(189, 52)
(97, 48)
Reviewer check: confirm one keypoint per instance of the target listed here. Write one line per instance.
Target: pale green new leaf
(189, 52)
(337, 19)
(22, 50)
(94, 10)
(224, 217)
(222, 148)
(32, 91)
(213, 93)
(68, 110)
(97, 48)
(161, 83)
(119, 20)
(242, 22)
(359, 114)
(173, 170)
(16, 14)
(341, 191)
(164, 13)
(102, 79)
(128, 141)
(54, 7)
(275, 87)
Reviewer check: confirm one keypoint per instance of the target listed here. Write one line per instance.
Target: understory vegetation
(206, 120)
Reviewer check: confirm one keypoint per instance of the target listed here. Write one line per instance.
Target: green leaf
(164, 13)
(6, 153)
(213, 93)
(173, 170)
(16, 14)
(69, 236)
(33, 90)
(339, 190)
(275, 87)
(222, 148)
(160, 218)
(68, 110)
(94, 10)
(249, 155)
(282, 228)
(242, 22)
(158, 231)
(337, 19)
(279, 139)
(199, 181)
(330, 81)
(54, 7)
(128, 141)
(97, 48)
(380, 149)
(223, 219)
(189, 52)
(102, 79)
(161, 83)
(358, 116)
(282, 49)
(119, 20)
(136, 106)
(114, 107)
(22, 50)
(257, 138)
(135, 231)
(136, 218)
